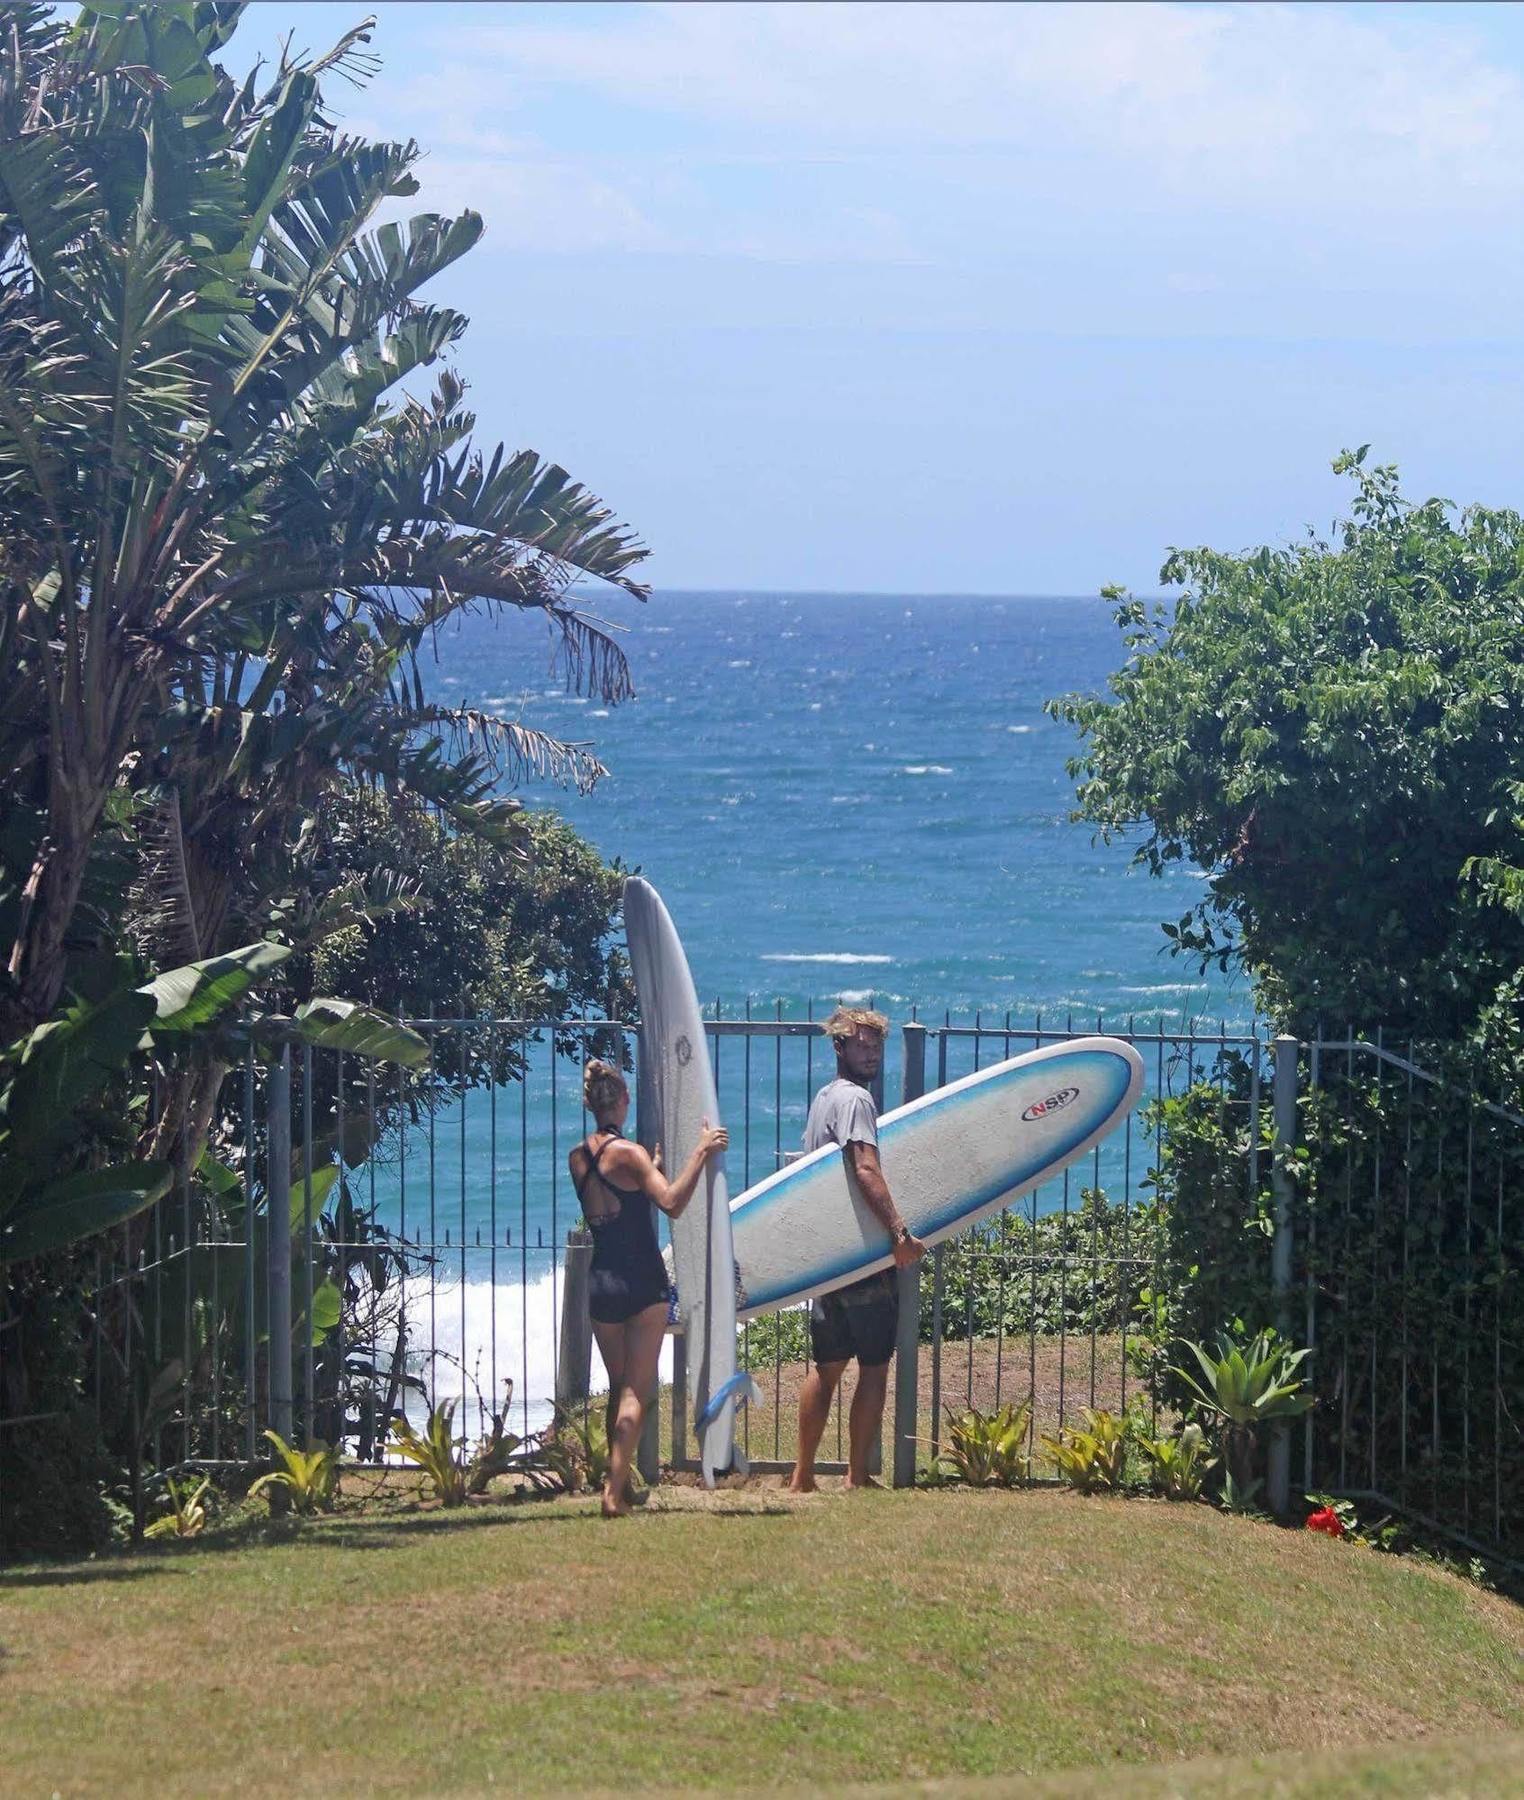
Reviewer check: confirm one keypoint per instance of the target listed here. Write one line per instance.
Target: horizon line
(776, 593)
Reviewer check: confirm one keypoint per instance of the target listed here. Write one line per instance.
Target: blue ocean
(840, 797)
(842, 794)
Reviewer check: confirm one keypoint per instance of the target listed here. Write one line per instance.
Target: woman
(616, 1181)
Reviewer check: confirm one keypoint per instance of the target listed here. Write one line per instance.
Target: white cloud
(533, 203)
(1270, 104)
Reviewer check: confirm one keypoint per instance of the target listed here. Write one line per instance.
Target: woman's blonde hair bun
(603, 1087)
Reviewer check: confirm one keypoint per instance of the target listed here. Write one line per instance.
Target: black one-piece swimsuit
(627, 1274)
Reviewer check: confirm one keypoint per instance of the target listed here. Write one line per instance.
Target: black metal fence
(1411, 1260)
(411, 1253)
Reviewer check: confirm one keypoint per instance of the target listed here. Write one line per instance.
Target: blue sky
(986, 298)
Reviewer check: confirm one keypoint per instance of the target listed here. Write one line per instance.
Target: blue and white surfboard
(951, 1158)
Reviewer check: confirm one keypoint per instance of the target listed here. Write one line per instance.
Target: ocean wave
(926, 769)
(823, 956)
(1167, 987)
(1018, 729)
(483, 1329)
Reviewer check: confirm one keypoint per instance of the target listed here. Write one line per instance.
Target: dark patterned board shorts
(861, 1320)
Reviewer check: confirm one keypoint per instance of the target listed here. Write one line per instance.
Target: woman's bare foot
(616, 1507)
(804, 1484)
(856, 1487)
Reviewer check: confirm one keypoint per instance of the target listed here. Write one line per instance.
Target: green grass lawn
(742, 1639)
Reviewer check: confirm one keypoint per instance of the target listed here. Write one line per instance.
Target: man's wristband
(899, 1233)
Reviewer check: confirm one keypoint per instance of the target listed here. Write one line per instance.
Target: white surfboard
(675, 1094)
(950, 1158)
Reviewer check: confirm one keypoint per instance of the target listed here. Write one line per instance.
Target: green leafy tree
(1334, 731)
(234, 509)
(227, 530)
(223, 543)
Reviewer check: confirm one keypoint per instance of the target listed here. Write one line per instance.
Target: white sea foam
(1167, 987)
(508, 1329)
(926, 769)
(849, 799)
(599, 712)
(814, 706)
(1018, 730)
(855, 996)
(824, 956)
(739, 662)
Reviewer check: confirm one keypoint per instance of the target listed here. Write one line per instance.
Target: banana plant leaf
(78, 1206)
(361, 1030)
(201, 992)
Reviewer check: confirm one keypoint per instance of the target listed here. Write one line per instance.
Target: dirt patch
(1061, 1374)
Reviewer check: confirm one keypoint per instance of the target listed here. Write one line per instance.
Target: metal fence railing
(412, 1246)
(1411, 1260)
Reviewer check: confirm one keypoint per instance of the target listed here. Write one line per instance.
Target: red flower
(1326, 1520)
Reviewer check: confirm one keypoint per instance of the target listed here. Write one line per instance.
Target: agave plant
(989, 1449)
(1091, 1458)
(308, 1478)
(1248, 1384)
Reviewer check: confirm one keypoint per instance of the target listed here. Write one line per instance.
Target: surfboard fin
(740, 1388)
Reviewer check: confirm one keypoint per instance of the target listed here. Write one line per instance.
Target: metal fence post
(574, 1366)
(679, 1399)
(278, 1196)
(1286, 1051)
(907, 1349)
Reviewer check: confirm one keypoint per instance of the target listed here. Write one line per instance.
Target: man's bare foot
(867, 1481)
(802, 1484)
(616, 1507)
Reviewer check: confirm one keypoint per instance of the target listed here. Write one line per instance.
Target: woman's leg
(642, 1353)
(611, 1347)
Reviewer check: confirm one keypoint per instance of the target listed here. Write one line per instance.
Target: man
(860, 1320)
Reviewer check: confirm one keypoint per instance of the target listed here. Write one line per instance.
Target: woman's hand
(712, 1140)
(656, 1161)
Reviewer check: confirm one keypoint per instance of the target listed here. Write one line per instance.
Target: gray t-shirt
(841, 1113)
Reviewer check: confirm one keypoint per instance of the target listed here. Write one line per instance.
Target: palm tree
(224, 535)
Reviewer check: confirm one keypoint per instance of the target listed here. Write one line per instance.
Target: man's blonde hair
(846, 1021)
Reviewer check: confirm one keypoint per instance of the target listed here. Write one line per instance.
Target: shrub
(989, 1449)
(1091, 1459)
(187, 1515)
(1079, 1271)
(1178, 1464)
(433, 1450)
(308, 1478)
